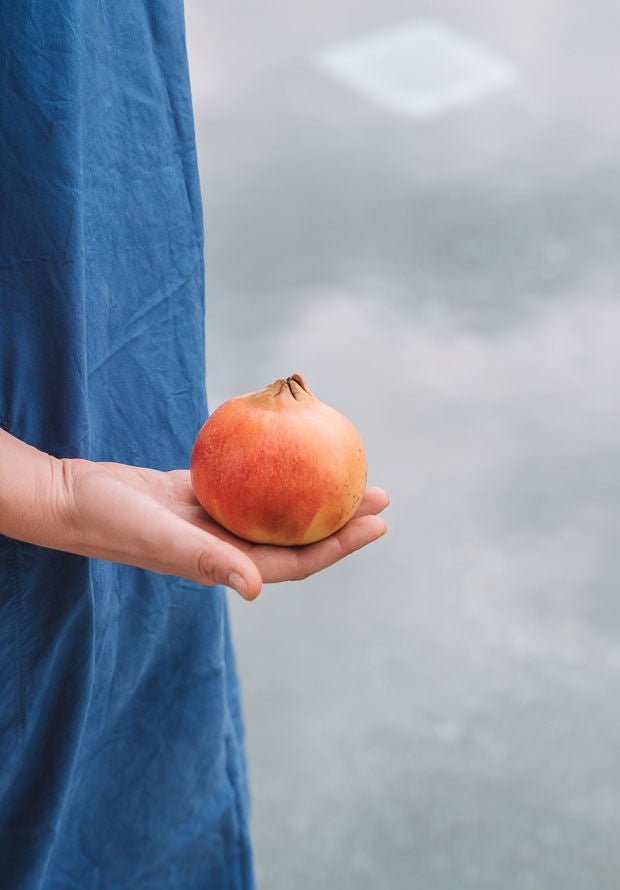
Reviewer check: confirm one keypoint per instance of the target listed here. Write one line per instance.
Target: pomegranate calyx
(294, 386)
(297, 385)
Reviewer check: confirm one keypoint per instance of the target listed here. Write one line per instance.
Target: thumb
(217, 562)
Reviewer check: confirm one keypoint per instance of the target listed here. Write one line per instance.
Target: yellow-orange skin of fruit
(278, 466)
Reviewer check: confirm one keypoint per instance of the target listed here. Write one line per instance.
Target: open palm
(152, 519)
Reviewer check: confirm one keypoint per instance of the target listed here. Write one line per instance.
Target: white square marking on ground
(418, 69)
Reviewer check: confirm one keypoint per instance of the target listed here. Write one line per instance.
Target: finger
(353, 536)
(296, 563)
(210, 560)
(374, 501)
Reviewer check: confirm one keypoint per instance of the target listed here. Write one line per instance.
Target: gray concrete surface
(440, 712)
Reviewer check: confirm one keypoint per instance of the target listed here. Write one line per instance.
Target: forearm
(28, 480)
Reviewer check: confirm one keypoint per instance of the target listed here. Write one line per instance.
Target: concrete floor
(441, 711)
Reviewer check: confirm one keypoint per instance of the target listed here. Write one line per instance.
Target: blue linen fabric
(121, 742)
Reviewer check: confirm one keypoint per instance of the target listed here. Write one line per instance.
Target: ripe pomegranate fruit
(278, 466)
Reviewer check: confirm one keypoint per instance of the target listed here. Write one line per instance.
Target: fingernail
(237, 583)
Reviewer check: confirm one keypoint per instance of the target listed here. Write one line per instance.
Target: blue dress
(121, 744)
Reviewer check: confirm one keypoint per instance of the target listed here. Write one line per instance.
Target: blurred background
(417, 206)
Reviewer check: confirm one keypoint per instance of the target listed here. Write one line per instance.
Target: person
(121, 739)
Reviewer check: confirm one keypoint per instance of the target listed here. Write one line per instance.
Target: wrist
(34, 501)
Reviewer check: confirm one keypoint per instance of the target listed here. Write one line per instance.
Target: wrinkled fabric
(121, 743)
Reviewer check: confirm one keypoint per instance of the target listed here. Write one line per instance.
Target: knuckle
(207, 568)
(301, 570)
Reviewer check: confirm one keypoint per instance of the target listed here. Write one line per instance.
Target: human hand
(152, 520)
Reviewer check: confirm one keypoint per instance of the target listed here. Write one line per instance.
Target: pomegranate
(278, 466)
